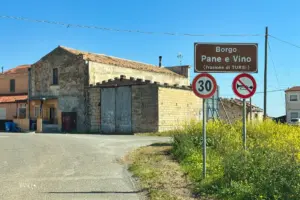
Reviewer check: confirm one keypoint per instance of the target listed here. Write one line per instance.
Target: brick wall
(177, 106)
(94, 109)
(144, 108)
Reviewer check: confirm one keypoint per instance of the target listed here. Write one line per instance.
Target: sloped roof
(110, 60)
(12, 98)
(295, 88)
(240, 103)
(18, 70)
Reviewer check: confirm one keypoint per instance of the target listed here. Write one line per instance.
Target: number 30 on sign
(204, 85)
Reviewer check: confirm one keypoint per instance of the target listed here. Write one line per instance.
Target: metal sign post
(244, 124)
(204, 86)
(244, 86)
(204, 138)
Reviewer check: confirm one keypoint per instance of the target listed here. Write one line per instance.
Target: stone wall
(230, 112)
(144, 108)
(101, 72)
(177, 106)
(94, 109)
(235, 112)
(72, 79)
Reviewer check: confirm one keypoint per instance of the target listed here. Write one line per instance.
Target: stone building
(136, 105)
(231, 110)
(71, 90)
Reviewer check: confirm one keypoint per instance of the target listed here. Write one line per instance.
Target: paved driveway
(59, 166)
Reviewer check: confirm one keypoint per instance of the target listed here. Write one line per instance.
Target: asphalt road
(65, 166)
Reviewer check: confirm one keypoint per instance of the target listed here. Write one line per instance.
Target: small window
(294, 115)
(255, 115)
(36, 111)
(55, 76)
(293, 97)
(12, 85)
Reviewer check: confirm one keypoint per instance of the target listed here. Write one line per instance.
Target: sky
(25, 42)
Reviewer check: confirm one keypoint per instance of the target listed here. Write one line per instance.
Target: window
(55, 76)
(255, 115)
(293, 97)
(22, 111)
(294, 115)
(36, 111)
(12, 85)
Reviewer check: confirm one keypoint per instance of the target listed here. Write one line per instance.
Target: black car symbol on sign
(241, 87)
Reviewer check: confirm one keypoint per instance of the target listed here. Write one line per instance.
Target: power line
(261, 92)
(273, 65)
(123, 30)
(284, 41)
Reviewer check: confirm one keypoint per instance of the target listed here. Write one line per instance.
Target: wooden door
(69, 122)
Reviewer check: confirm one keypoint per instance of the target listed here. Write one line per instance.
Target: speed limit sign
(204, 85)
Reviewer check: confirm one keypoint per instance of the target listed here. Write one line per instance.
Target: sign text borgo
(226, 57)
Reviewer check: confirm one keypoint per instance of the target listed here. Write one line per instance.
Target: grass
(269, 169)
(159, 174)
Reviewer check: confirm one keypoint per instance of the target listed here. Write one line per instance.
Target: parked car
(295, 121)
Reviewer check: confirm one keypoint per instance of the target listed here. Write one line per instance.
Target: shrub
(269, 169)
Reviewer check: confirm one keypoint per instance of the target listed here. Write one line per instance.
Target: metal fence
(212, 106)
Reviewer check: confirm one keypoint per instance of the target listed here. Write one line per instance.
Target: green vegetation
(269, 169)
(159, 175)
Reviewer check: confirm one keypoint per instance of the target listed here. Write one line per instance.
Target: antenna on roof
(179, 56)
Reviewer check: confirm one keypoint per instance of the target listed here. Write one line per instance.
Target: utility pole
(265, 73)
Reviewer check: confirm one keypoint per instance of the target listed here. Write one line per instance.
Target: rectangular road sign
(226, 57)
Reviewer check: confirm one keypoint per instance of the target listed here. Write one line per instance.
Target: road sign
(244, 86)
(204, 85)
(225, 57)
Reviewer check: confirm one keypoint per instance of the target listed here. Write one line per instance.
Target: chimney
(160, 57)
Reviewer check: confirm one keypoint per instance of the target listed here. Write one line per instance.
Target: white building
(292, 103)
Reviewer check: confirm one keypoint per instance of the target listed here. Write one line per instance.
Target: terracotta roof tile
(109, 60)
(18, 69)
(11, 99)
(295, 88)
